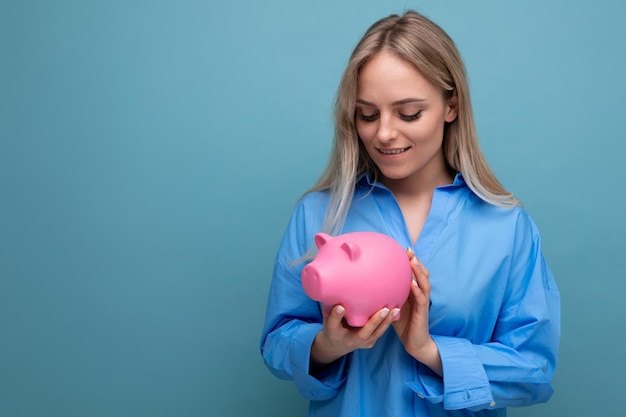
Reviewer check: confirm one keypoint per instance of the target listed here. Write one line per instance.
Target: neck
(422, 182)
(414, 194)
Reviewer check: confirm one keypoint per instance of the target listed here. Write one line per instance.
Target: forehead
(386, 76)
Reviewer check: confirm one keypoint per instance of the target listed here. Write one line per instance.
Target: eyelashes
(411, 117)
(368, 117)
(374, 116)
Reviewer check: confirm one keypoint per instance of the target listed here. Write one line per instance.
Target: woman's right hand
(338, 339)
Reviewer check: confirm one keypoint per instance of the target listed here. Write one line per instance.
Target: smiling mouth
(393, 151)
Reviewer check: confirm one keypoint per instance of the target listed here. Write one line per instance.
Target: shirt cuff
(464, 384)
(325, 385)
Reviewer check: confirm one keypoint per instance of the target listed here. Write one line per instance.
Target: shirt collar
(367, 180)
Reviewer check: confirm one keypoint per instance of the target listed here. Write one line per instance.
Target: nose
(386, 128)
(311, 282)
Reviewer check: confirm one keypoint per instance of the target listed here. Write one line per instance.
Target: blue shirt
(495, 313)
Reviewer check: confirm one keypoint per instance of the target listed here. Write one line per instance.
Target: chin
(394, 176)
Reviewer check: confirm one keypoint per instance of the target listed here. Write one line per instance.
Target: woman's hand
(338, 339)
(412, 326)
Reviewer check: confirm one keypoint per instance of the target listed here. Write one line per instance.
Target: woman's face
(400, 119)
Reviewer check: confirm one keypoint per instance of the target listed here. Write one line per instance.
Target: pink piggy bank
(362, 271)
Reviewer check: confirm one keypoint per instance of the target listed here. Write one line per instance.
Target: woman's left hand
(412, 326)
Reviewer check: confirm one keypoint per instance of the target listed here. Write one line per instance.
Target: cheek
(366, 132)
(432, 131)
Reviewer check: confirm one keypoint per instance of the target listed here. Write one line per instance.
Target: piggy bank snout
(312, 282)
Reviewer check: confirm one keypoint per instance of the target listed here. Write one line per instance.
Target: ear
(321, 239)
(352, 249)
(452, 107)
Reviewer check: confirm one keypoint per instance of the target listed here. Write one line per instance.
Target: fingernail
(384, 312)
(395, 313)
(415, 261)
(340, 309)
(414, 282)
(410, 251)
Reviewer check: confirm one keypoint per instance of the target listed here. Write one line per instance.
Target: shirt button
(492, 404)
(420, 395)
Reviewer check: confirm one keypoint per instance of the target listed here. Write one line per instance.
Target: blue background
(151, 153)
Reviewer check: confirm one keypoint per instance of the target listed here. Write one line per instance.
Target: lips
(395, 151)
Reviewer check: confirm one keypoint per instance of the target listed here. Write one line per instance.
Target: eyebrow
(395, 103)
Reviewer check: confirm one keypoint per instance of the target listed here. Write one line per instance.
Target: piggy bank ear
(321, 239)
(352, 249)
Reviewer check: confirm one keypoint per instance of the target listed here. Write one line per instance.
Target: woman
(480, 329)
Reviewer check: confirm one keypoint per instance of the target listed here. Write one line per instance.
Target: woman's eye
(368, 117)
(410, 117)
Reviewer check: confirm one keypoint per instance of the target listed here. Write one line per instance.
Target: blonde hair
(423, 43)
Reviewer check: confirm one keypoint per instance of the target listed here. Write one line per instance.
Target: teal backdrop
(151, 153)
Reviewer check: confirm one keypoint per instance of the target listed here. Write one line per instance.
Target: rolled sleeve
(286, 347)
(512, 362)
(323, 385)
(464, 384)
(292, 319)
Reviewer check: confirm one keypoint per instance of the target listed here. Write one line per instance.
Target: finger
(422, 276)
(333, 321)
(392, 316)
(419, 266)
(414, 262)
(423, 269)
(389, 318)
(374, 322)
(418, 294)
(420, 288)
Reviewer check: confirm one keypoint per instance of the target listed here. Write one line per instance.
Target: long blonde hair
(423, 43)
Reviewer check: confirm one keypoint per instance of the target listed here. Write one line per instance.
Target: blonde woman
(480, 330)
